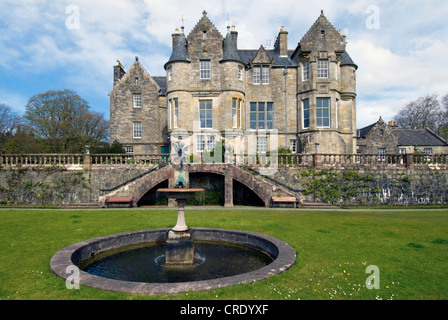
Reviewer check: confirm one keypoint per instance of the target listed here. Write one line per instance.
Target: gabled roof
(203, 24)
(137, 68)
(407, 137)
(308, 42)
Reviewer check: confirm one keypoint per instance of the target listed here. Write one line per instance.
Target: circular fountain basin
(281, 256)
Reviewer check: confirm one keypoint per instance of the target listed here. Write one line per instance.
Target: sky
(399, 46)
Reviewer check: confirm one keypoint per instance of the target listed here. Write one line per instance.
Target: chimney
(175, 36)
(393, 124)
(234, 36)
(282, 42)
(118, 72)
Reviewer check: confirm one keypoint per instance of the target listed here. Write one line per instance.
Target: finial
(321, 12)
(136, 58)
(282, 29)
(204, 13)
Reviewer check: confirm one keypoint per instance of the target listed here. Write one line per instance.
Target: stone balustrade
(89, 161)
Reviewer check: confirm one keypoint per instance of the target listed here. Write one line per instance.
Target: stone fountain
(180, 244)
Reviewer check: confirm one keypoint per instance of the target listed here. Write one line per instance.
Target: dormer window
(260, 74)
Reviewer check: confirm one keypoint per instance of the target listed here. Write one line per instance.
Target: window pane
(256, 75)
(322, 68)
(205, 68)
(306, 113)
(137, 130)
(265, 75)
(206, 113)
(323, 112)
(200, 143)
(137, 100)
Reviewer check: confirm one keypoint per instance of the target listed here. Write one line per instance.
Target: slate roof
(409, 137)
(346, 60)
(248, 55)
(418, 137)
(180, 52)
(161, 82)
(230, 51)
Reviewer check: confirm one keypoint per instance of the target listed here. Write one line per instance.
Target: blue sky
(399, 46)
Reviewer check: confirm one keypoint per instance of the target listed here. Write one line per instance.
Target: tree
(443, 130)
(9, 122)
(425, 112)
(64, 120)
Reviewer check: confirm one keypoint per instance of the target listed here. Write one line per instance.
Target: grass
(334, 248)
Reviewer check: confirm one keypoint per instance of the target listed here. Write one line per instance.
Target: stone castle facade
(256, 100)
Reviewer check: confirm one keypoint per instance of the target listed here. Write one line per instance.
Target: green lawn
(334, 248)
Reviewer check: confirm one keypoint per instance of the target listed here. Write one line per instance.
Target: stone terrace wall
(394, 186)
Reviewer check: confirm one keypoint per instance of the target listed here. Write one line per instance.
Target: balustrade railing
(281, 160)
(41, 159)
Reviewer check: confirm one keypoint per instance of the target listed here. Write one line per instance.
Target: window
(206, 114)
(240, 73)
(137, 100)
(137, 130)
(306, 113)
(205, 69)
(260, 74)
(129, 150)
(204, 35)
(236, 113)
(323, 112)
(381, 154)
(261, 115)
(265, 75)
(262, 144)
(427, 152)
(136, 81)
(174, 113)
(205, 143)
(305, 71)
(322, 69)
(322, 34)
(256, 75)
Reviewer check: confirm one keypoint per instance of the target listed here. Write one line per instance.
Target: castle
(257, 100)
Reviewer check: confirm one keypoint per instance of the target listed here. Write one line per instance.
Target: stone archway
(263, 188)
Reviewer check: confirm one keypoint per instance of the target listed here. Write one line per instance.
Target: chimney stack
(118, 72)
(282, 42)
(175, 36)
(234, 35)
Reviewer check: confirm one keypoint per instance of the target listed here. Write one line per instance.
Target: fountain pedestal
(180, 245)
